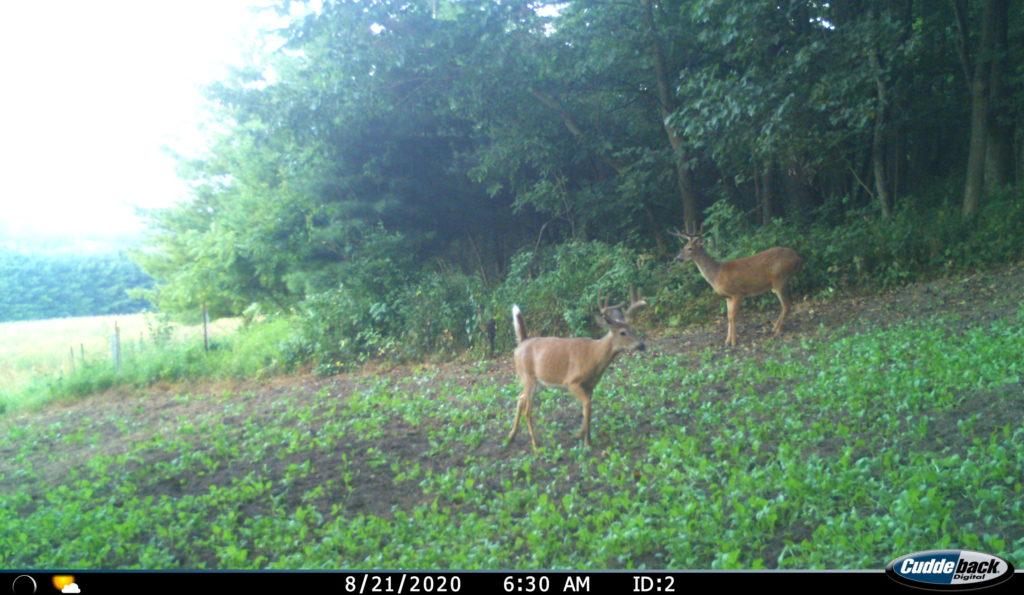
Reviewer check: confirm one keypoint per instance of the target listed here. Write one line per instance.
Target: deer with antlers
(575, 364)
(735, 279)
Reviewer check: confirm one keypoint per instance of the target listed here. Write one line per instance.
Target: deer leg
(783, 296)
(581, 393)
(521, 406)
(733, 304)
(529, 418)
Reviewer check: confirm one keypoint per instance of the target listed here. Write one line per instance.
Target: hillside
(37, 286)
(879, 424)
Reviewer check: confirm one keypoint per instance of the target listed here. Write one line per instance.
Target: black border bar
(452, 582)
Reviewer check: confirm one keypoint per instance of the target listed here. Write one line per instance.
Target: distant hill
(58, 283)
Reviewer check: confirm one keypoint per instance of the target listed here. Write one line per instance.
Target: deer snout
(641, 347)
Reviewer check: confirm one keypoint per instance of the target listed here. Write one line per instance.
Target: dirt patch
(985, 410)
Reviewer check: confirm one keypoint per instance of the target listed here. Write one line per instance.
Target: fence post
(81, 351)
(71, 351)
(116, 347)
(206, 323)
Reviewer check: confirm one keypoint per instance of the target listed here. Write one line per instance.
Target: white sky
(91, 92)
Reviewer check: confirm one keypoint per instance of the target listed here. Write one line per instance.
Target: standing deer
(736, 279)
(575, 364)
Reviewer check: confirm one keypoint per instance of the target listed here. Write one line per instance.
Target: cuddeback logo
(949, 570)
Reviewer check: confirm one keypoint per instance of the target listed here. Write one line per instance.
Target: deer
(575, 364)
(734, 280)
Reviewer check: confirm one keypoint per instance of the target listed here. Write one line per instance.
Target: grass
(841, 448)
(40, 348)
(35, 354)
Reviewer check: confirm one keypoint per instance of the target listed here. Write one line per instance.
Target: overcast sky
(92, 92)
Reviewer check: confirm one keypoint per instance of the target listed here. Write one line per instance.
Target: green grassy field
(40, 349)
(874, 428)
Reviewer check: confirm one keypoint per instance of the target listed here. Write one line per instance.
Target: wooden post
(206, 334)
(116, 347)
(81, 351)
(71, 352)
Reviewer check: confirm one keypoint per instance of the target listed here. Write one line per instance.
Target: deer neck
(604, 353)
(708, 266)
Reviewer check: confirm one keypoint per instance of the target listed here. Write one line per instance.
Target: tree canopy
(384, 139)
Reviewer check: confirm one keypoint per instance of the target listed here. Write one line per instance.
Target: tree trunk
(659, 238)
(999, 158)
(796, 191)
(980, 99)
(767, 188)
(896, 162)
(666, 105)
(858, 171)
(878, 136)
(878, 165)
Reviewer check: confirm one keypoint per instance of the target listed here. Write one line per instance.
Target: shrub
(439, 314)
(558, 288)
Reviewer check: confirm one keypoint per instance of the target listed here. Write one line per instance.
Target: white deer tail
(517, 322)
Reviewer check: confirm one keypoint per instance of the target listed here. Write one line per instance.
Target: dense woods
(397, 173)
(34, 286)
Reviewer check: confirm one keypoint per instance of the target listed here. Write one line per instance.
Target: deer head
(620, 324)
(694, 243)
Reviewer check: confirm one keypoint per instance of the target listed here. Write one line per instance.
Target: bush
(435, 314)
(558, 289)
(440, 314)
(863, 249)
(384, 314)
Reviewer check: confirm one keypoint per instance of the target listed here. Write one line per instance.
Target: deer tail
(517, 322)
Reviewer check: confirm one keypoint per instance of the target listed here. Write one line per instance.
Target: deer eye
(623, 333)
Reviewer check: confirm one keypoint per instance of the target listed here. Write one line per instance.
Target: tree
(983, 69)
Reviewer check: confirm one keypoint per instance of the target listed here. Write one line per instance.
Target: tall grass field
(35, 351)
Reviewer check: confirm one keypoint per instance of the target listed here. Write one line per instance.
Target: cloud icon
(71, 588)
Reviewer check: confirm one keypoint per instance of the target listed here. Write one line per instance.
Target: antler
(689, 232)
(635, 302)
(612, 312)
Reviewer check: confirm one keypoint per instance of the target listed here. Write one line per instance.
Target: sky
(93, 92)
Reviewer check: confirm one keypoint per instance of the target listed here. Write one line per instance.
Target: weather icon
(65, 583)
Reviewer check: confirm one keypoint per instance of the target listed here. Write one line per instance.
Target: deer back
(558, 361)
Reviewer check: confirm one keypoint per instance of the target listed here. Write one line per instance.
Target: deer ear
(602, 321)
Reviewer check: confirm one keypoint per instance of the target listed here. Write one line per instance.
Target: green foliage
(847, 247)
(832, 452)
(36, 286)
(559, 288)
(435, 314)
(378, 311)
(411, 168)
(381, 310)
